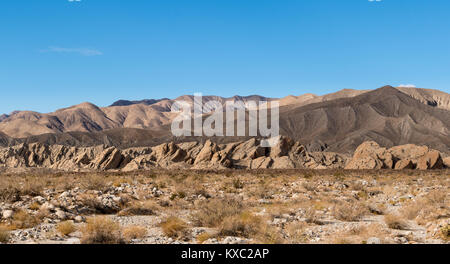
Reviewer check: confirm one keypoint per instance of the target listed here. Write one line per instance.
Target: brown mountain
(336, 122)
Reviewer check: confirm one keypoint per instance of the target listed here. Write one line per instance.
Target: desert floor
(186, 206)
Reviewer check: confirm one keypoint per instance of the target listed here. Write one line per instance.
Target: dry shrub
(134, 232)
(94, 182)
(4, 235)
(245, 225)
(9, 191)
(101, 230)
(174, 227)
(140, 208)
(33, 186)
(445, 233)
(437, 197)
(411, 210)
(296, 232)
(23, 220)
(203, 237)
(395, 222)
(34, 206)
(350, 212)
(65, 228)
(211, 213)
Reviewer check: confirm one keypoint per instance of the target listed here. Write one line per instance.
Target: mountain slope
(386, 116)
(337, 122)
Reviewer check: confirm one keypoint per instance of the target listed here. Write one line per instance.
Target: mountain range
(337, 122)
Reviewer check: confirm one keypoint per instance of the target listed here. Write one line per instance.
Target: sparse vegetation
(211, 213)
(174, 227)
(134, 232)
(101, 230)
(395, 222)
(66, 228)
(248, 206)
(349, 211)
(4, 235)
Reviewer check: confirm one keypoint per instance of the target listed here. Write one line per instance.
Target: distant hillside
(336, 122)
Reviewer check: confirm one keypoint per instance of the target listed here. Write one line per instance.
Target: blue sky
(56, 53)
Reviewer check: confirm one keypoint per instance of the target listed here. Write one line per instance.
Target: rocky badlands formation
(287, 154)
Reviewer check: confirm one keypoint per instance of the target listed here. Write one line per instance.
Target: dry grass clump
(174, 227)
(395, 222)
(94, 182)
(101, 230)
(66, 228)
(140, 208)
(445, 233)
(32, 186)
(203, 237)
(296, 232)
(211, 213)
(23, 220)
(134, 232)
(412, 210)
(245, 225)
(350, 212)
(4, 235)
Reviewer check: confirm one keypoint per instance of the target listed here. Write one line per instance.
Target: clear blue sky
(56, 53)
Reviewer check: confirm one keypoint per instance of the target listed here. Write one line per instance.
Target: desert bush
(395, 222)
(65, 228)
(134, 232)
(23, 220)
(296, 232)
(349, 211)
(94, 182)
(445, 232)
(411, 210)
(140, 208)
(174, 227)
(32, 186)
(245, 225)
(101, 230)
(211, 213)
(4, 235)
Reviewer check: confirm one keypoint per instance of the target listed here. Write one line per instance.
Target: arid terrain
(230, 206)
(350, 167)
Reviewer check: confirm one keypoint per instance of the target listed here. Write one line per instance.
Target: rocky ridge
(287, 154)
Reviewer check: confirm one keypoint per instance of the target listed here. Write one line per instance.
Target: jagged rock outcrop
(370, 155)
(286, 154)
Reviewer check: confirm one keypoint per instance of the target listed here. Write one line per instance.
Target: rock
(283, 163)
(61, 215)
(373, 241)
(369, 156)
(446, 162)
(207, 152)
(408, 152)
(432, 160)
(79, 219)
(7, 214)
(261, 163)
(47, 206)
(404, 165)
(282, 148)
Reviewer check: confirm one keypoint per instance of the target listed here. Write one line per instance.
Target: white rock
(60, 214)
(7, 214)
(373, 241)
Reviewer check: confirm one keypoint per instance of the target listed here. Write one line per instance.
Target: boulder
(432, 160)
(369, 156)
(406, 164)
(261, 163)
(446, 162)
